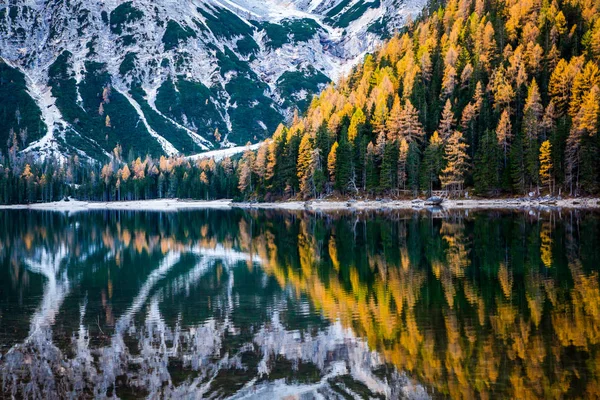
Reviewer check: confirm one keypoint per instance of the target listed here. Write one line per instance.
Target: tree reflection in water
(268, 304)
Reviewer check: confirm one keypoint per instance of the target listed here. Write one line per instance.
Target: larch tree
(453, 175)
(447, 122)
(468, 115)
(125, 173)
(275, 146)
(504, 133)
(394, 122)
(478, 98)
(29, 179)
(548, 124)
(585, 124)
(260, 166)
(583, 82)
(546, 165)
(448, 82)
(331, 161)
(245, 168)
(503, 89)
(380, 116)
(305, 167)
(357, 121)
(533, 112)
(410, 127)
(561, 83)
(380, 144)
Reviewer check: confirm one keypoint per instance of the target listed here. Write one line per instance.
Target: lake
(271, 304)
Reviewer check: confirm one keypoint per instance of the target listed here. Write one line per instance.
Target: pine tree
(517, 164)
(389, 167)
(274, 175)
(343, 168)
(372, 179)
(413, 164)
(488, 161)
(433, 161)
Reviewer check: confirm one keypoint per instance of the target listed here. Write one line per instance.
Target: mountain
(160, 77)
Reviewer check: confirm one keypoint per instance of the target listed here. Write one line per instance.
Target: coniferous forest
(499, 98)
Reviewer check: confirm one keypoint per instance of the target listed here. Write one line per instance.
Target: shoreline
(312, 205)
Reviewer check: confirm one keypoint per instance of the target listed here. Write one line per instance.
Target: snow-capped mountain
(161, 76)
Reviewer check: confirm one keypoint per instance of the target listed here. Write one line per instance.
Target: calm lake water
(245, 304)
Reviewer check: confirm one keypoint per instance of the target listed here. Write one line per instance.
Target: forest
(500, 98)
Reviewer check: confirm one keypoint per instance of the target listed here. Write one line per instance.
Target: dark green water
(218, 304)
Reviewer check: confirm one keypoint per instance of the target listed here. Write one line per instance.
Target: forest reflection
(264, 303)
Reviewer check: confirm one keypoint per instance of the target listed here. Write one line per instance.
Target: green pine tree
(489, 161)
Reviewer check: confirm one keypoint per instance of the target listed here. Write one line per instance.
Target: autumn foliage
(509, 89)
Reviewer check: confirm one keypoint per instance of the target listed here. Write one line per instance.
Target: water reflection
(266, 304)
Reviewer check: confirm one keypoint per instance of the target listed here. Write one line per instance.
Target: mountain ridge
(177, 71)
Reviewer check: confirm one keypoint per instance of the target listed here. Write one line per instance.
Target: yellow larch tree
(456, 158)
(583, 82)
(447, 122)
(546, 165)
(410, 127)
(305, 170)
(331, 161)
(394, 122)
(504, 133)
(358, 120)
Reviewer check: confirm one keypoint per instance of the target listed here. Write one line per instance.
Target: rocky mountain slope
(162, 76)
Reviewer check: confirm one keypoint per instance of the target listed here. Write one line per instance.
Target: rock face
(161, 76)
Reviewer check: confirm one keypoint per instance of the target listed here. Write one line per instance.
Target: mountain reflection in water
(219, 304)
